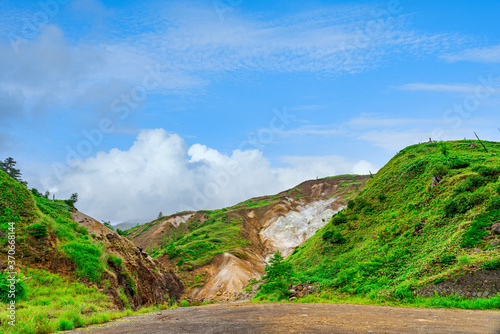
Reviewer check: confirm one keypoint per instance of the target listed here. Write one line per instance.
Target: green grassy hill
(67, 277)
(402, 233)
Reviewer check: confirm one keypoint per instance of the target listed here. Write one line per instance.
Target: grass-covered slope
(67, 277)
(401, 232)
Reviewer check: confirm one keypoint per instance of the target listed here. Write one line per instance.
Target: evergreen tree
(8, 166)
(278, 270)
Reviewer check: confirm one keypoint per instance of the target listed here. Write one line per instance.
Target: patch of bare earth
(304, 318)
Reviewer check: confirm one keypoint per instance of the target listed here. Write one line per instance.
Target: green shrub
(487, 172)
(491, 265)
(456, 206)
(495, 203)
(417, 166)
(472, 183)
(171, 251)
(66, 324)
(184, 303)
(382, 197)
(339, 219)
(474, 235)
(458, 163)
(477, 198)
(440, 170)
(86, 257)
(130, 284)
(447, 259)
(497, 188)
(5, 291)
(333, 237)
(38, 230)
(115, 260)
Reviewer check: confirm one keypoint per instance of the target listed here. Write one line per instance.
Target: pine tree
(277, 269)
(8, 167)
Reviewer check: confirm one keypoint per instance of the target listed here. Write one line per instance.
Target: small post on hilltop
(480, 142)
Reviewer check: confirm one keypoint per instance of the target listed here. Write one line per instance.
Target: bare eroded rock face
(143, 279)
(286, 232)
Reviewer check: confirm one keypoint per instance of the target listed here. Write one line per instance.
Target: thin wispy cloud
(490, 54)
(192, 47)
(311, 130)
(363, 122)
(448, 88)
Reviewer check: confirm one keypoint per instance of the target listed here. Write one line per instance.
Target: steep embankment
(429, 218)
(70, 268)
(217, 252)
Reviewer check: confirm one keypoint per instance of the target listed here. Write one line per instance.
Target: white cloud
(489, 54)
(394, 140)
(161, 173)
(453, 88)
(332, 40)
(191, 47)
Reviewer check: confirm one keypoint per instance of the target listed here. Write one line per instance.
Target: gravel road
(302, 318)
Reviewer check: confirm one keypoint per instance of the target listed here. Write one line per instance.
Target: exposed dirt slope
(264, 224)
(152, 283)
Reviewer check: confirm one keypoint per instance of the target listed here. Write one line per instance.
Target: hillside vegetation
(192, 242)
(66, 276)
(402, 232)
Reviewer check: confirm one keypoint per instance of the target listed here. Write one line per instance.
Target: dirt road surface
(302, 318)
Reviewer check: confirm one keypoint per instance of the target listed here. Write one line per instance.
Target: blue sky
(141, 107)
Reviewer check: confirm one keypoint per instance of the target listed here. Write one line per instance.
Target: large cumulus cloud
(160, 172)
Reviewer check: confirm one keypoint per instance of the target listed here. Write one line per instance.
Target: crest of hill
(425, 217)
(62, 252)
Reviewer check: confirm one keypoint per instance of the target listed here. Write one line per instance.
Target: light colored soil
(228, 275)
(303, 318)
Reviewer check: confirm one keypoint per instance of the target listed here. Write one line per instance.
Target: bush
(476, 198)
(487, 172)
(491, 265)
(351, 204)
(382, 197)
(115, 260)
(440, 170)
(458, 163)
(184, 303)
(474, 235)
(339, 219)
(121, 232)
(171, 251)
(334, 237)
(65, 324)
(472, 183)
(129, 283)
(417, 166)
(38, 230)
(5, 291)
(447, 259)
(497, 188)
(456, 206)
(495, 203)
